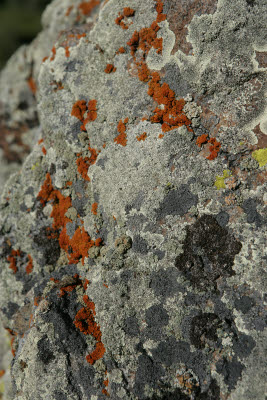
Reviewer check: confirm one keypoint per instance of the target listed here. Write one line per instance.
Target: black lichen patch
(209, 252)
(156, 318)
(48, 247)
(148, 373)
(45, 354)
(139, 245)
(11, 309)
(222, 218)
(177, 202)
(250, 208)
(244, 304)
(171, 351)
(175, 79)
(164, 282)
(243, 345)
(204, 329)
(231, 371)
(131, 326)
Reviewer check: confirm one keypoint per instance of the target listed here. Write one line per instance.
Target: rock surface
(133, 235)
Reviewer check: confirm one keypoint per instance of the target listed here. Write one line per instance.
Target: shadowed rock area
(133, 209)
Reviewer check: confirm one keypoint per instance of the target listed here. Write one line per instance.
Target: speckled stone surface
(133, 234)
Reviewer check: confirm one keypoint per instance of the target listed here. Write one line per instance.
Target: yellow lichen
(219, 182)
(260, 156)
(35, 165)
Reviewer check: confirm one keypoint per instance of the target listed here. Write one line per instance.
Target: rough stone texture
(133, 237)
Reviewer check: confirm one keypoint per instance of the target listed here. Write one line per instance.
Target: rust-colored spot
(86, 7)
(202, 139)
(214, 148)
(122, 137)
(32, 85)
(53, 53)
(44, 150)
(67, 51)
(12, 259)
(143, 137)
(2, 372)
(120, 20)
(68, 11)
(29, 266)
(94, 208)
(110, 68)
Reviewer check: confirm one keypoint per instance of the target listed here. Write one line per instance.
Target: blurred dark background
(20, 21)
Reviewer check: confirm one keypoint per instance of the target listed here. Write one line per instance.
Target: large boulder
(133, 235)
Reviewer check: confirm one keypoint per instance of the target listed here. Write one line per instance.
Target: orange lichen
(32, 85)
(67, 51)
(110, 68)
(86, 7)
(78, 110)
(85, 322)
(159, 9)
(77, 247)
(161, 136)
(104, 391)
(98, 242)
(68, 11)
(53, 53)
(104, 284)
(37, 300)
(121, 50)
(214, 149)
(85, 284)
(68, 183)
(2, 372)
(40, 141)
(44, 150)
(84, 163)
(127, 12)
(12, 259)
(83, 167)
(202, 139)
(143, 136)
(29, 266)
(122, 137)
(44, 59)
(145, 39)
(94, 208)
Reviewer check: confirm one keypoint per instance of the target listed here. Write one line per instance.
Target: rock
(126, 272)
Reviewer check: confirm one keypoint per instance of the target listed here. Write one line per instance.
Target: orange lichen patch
(202, 139)
(44, 59)
(67, 51)
(161, 136)
(12, 259)
(98, 242)
(13, 334)
(37, 300)
(171, 116)
(86, 7)
(77, 247)
(145, 39)
(40, 141)
(85, 322)
(68, 11)
(79, 109)
(68, 183)
(60, 203)
(127, 12)
(159, 9)
(105, 383)
(84, 163)
(83, 167)
(44, 150)
(53, 54)
(110, 68)
(94, 208)
(2, 372)
(143, 136)
(29, 266)
(32, 85)
(143, 71)
(104, 284)
(85, 284)
(104, 145)
(214, 148)
(121, 50)
(121, 138)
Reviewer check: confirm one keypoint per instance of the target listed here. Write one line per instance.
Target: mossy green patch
(260, 156)
(219, 182)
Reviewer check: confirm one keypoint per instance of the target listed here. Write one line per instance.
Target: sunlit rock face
(133, 232)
